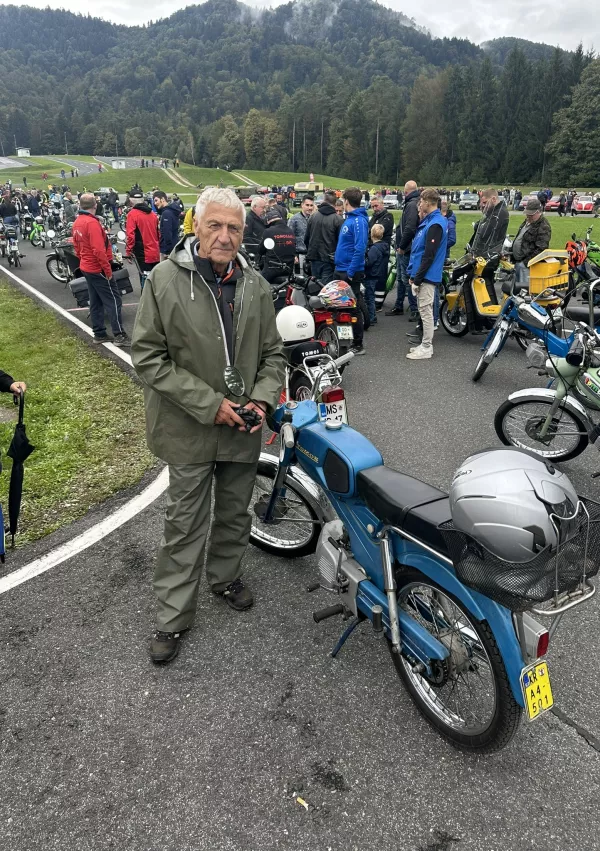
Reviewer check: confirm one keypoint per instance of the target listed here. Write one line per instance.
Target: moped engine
(330, 555)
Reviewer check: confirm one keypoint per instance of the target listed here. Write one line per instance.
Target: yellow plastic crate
(549, 268)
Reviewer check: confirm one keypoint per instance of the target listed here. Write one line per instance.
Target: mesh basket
(520, 586)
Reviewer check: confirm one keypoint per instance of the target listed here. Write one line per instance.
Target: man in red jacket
(142, 235)
(95, 254)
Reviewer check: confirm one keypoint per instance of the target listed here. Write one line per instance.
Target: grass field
(207, 176)
(288, 178)
(83, 414)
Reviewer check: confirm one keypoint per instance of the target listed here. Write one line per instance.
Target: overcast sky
(552, 21)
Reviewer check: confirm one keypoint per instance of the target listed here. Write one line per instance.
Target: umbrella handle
(20, 401)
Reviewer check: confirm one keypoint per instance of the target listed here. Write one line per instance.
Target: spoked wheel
(467, 697)
(296, 529)
(491, 350)
(519, 424)
(17, 261)
(454, 320)
(57, 269)
(300, 388)
(329, 336)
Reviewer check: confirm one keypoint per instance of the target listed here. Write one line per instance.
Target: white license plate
(345, 332)
(333, 412)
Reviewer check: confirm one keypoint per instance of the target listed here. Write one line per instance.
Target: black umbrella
(19, 450)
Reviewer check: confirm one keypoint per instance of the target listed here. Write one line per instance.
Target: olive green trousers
(187, 524)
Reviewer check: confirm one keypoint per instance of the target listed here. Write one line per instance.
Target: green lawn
(207, 176)
(289, 178)
(83, 414)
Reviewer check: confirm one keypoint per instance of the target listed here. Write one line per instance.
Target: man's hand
(414, 288)
(400, 251)
(129, 258)
(252, 406)
(17, 388)
(226, 415)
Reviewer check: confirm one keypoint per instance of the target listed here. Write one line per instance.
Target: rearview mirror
(50, 234)
(121, 236)
(234, 381)
(269, 243)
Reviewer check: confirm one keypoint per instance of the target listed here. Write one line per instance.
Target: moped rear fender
(480, 607)
(534, 394)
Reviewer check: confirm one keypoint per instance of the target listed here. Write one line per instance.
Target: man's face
(159, 203)
(377, 205)
(308, 207)
(534, 216)
(279, 198)
(487, 204)
(219, 233)
(259, 208)
(425, 208)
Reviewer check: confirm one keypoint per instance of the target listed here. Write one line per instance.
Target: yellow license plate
(537, 691)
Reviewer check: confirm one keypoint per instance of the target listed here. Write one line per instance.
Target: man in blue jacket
(350, 254)
(427, 255)
(169, 223)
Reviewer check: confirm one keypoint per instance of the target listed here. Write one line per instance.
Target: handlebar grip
(329, 612)
(576, 352)
(287, 435)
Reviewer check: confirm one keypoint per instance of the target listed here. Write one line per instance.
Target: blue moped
(470, 655)
(528, 321)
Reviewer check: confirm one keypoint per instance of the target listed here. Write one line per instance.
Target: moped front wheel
(58, 269)
(491, 350)
(467, 697)
(454, 320)
(520, 424)
(295, 529)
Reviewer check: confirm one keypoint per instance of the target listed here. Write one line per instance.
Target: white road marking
(89, 537)
(109, 524)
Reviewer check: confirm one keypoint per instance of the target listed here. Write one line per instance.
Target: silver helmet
(504, 499)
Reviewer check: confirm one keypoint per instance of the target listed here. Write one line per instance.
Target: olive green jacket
(179, 352)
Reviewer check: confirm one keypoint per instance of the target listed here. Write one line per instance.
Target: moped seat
(405, 502)
(581, 313)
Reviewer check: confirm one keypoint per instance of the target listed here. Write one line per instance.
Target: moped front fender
(498, 618)
(545, 394)
(311, 491)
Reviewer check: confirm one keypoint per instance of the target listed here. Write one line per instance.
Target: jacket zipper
(219, 312)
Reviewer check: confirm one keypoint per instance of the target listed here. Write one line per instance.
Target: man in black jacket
(279, 261)
(405, 232)
(169, 223)
(255, 223)
(321, 238)
(381, 216)
(9, 385)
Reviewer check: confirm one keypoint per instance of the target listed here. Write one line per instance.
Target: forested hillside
(346, 87)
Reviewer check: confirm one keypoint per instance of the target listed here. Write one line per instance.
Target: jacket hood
(326, 209)
(174, 205)
(144, 207)
(360, 211)
(414, 194)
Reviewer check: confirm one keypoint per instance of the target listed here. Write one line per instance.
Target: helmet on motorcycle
(39, 220)
(507, 500)
(295, 324)
(577, 253)
(337, 294)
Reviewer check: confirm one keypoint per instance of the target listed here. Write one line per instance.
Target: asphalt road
(84, 166)
(100, 750)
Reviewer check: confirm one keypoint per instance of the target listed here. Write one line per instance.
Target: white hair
(255, 199)
(222, 197)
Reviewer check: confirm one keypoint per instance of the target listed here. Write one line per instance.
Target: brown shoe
(237, 595)
(164, 646)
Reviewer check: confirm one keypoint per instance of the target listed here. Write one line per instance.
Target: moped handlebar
(287, 435)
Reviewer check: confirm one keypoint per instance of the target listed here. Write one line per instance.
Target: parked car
(584, 204)
(526, 198)
(390, 202)
(552, 204)
(469, 201)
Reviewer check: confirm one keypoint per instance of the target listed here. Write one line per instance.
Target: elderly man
(533, 236)
(70, 208)
(255, 222)
(202, 310)
(405, 233)
(381, 216)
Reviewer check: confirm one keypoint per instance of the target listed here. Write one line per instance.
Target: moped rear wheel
(467, 697)
(58, 269)
(327, 334)
(296, 529)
